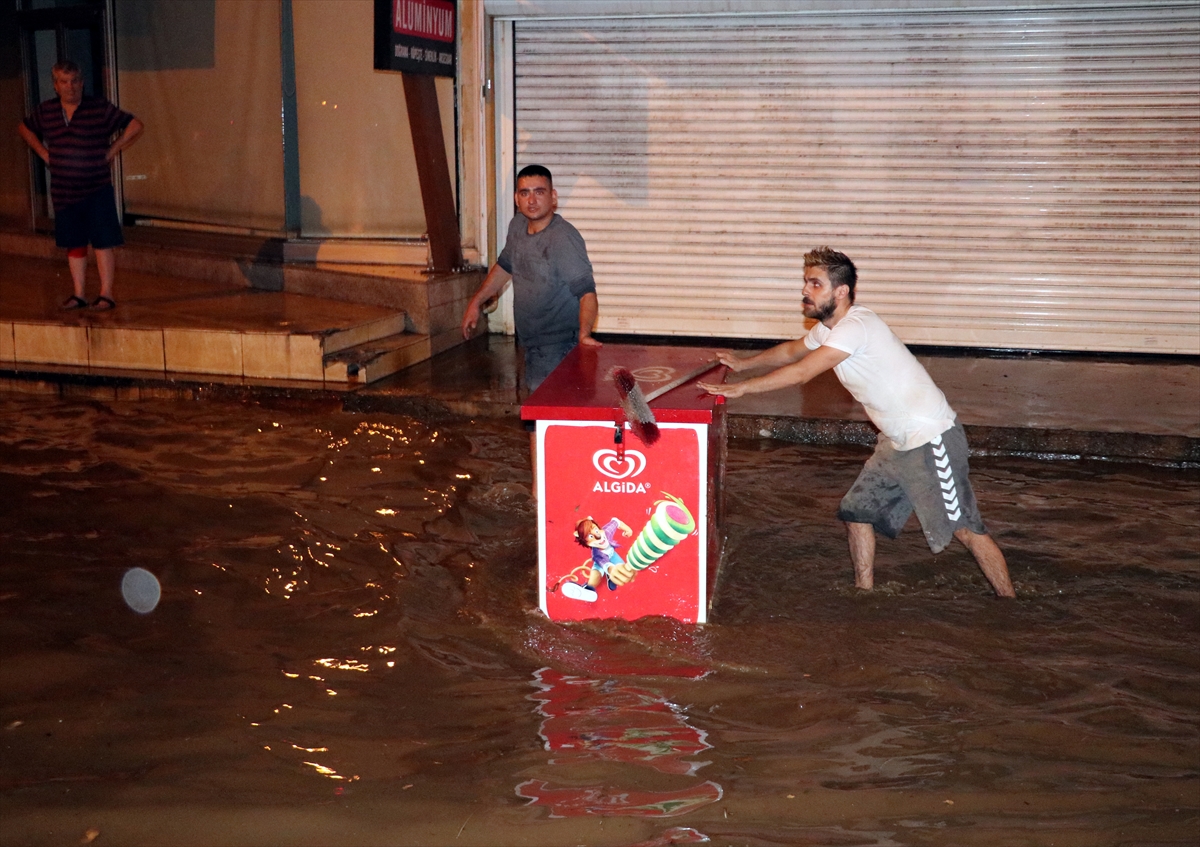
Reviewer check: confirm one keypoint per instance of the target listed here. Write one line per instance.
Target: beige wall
(358, 172)
(213, 151)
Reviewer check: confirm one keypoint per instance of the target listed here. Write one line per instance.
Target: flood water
(347, 650)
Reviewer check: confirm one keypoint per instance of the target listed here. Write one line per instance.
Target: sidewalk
(1060, 407)
(1126, 408)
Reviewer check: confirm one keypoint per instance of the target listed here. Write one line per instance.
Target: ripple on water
(348, 615)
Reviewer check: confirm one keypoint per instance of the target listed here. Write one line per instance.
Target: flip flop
(103, 304)
(74, 302)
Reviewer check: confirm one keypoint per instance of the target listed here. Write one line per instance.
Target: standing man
(920, 460)
(73, 135)
(554, 294)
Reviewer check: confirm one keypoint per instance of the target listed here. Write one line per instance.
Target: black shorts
(93, 220)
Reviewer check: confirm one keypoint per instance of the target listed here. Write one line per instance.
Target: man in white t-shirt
(920, 460)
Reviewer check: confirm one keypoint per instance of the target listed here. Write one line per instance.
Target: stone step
(344, 338)
(358, 354)
(178, 326)
(373, 360)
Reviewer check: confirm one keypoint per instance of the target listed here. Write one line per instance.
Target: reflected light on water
(342, 665)
(329, 773)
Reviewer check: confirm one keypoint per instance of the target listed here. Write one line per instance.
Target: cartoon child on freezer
(606, 561)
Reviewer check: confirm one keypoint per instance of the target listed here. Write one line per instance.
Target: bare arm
(131, 134)
(492, 285)
(796, 373)
(34, 142)
(589, 309)
(774, 357)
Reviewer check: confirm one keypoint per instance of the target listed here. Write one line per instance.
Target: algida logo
(619, 472)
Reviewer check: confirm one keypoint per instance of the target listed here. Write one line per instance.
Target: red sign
(416, 36)
(607, 505)
(425, 19)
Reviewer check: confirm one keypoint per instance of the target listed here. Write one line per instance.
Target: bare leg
(990, 559)
(106, 263)
(862, 554)
(78, 266)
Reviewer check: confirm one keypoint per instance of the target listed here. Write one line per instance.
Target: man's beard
(821, 313)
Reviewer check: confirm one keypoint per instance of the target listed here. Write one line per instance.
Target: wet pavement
(347, 650)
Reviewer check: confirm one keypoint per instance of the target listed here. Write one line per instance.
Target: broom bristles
(637, 410)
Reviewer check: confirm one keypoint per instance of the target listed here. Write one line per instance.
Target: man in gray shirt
(554, 294)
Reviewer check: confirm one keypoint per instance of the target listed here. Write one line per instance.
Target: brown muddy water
(347, 651)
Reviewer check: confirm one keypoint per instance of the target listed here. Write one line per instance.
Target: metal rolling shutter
(1021, 179)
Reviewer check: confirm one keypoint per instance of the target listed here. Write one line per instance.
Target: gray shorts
(930, 480)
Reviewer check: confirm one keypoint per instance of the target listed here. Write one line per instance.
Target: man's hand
(589, 309)
(492, 285)
(35, 144)
(621, 574)
(131, 134)
(470, 320)
(731, 390)
(731, 361)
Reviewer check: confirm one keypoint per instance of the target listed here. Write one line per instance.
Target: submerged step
(376, 359)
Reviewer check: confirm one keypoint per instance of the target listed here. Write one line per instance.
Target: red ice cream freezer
(605, 498)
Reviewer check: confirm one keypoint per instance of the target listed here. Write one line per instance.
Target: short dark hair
(536, 170)
(66, 66)
(837, 265)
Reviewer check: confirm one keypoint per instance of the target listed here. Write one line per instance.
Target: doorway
(51, 32)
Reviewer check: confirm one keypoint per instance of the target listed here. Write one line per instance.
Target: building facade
(1021, 175)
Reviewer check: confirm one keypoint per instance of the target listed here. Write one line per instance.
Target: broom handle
(680, 380)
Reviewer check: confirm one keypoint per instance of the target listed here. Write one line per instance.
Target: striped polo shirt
(77, 149)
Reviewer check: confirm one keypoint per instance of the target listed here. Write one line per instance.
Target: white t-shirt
(886, 378)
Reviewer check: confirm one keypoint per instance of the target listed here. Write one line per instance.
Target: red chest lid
(581, 388)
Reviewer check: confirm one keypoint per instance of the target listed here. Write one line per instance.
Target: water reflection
(587, 721)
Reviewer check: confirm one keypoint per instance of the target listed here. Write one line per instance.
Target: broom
(680, 380)
(637, 410)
